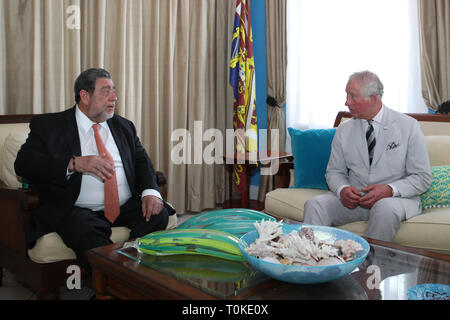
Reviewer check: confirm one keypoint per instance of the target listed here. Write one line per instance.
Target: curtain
(168, 60)
(210, 97)
(434, 23)
(276, 57)
(39, 54)
(353, 35)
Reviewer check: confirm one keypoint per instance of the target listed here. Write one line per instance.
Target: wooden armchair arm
(160, 179)
(17, 205)
(284, 174)
(16, 209)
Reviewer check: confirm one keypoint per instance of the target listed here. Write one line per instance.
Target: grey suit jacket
(400, 158)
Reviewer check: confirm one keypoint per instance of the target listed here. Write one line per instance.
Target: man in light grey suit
(378, 165)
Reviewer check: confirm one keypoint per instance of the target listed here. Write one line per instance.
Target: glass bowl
(306, 274)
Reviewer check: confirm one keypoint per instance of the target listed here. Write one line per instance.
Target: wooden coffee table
(117, 276)
(128, 275)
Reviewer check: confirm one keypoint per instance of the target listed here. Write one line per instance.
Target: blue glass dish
(235, 221)
(429, 291)
(303, 274)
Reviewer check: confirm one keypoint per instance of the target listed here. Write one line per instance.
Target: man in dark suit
(61, 160)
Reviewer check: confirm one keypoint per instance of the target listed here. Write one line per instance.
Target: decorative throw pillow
(12, 145)
(311, 150)
(438, 195)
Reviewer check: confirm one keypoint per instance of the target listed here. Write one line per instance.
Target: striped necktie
(112, 204)
(371, 141)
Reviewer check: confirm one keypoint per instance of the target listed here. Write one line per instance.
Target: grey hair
(371, 84)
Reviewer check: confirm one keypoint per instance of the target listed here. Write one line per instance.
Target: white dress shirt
(376, 123)
(92, 194)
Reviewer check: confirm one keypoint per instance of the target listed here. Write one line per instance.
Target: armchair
(43, 269)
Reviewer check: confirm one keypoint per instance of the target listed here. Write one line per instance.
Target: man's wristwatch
(73, 164)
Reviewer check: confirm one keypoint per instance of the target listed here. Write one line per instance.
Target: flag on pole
(242, 79)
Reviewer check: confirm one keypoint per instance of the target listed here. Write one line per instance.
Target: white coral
(298, 250)
(268, 230)
(349, 248)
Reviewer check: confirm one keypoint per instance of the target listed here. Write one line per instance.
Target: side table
(249, 161)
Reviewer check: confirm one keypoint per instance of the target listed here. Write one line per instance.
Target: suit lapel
(71, 132)
(120, 138)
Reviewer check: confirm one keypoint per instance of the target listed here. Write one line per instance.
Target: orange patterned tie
(112, 204)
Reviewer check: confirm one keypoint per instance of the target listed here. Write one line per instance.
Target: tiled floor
(12, 290)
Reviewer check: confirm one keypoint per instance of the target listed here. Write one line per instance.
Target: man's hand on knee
(350, 197)
(374, 193)
(151, 205)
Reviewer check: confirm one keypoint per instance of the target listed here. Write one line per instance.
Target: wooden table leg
(245, 192)
(230, 183)
(98, 280)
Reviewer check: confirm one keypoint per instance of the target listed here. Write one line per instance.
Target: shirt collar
(84, 122)
(379, 115)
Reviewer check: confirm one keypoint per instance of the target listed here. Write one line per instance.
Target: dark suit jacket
(44, 157)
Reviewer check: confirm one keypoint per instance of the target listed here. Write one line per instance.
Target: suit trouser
(84, 229)
(383, 218)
